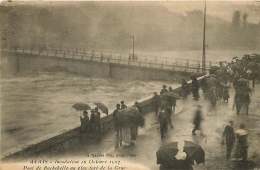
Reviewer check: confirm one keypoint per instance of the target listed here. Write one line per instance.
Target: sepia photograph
(130, 85)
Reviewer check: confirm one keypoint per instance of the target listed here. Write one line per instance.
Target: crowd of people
(236, 139)
(215, 88)
(126, 131)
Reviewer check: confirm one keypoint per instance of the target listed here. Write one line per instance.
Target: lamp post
(204, 42)
(133, 47)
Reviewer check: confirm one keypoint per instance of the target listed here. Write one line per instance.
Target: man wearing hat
(97, 120)
(163, 120)
(92, 121)
(156, 103)
(117, 126)
(229, 138)
(123, 105)
(84, 121)
(164, 90)
(195, 88)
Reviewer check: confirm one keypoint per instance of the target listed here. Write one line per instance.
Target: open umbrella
(166, 153)
(102, 107)
(81, 106)
(169, 96)
(172, 94)
(130, 117)
(194, 152)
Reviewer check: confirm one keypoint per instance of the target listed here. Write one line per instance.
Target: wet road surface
(148, 141)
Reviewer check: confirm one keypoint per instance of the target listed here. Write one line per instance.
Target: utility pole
(204, 41)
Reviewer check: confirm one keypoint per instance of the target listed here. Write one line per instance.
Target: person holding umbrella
(175, 156)
(84, 121)
(102, 107)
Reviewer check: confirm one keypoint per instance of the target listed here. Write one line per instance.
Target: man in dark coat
(163, 120)
(156, 103)
(173, 104)
(242, 98)
(92, 121)
(195, 88)
(168, 111)
(117, 126)
(84, 122)
(197, 120)
(184, 89)
(229, 139)
(98, 120)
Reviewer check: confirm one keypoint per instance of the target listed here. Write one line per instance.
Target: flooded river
(36, 106)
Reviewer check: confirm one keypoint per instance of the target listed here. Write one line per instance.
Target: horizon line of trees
(110, 28)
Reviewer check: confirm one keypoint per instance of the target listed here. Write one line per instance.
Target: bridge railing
(115, 58)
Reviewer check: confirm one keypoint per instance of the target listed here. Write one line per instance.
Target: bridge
(82, 58)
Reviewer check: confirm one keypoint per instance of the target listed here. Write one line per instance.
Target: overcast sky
(223, 9)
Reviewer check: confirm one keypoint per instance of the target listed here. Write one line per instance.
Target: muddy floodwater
(36, 106)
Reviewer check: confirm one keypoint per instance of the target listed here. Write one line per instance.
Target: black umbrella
(102, 107)
(130, 117)
(194, 152)
(167, 153)
(172, 94)
(81, 106)
(212, 80)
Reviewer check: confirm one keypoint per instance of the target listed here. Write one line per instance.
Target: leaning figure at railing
(84, 122)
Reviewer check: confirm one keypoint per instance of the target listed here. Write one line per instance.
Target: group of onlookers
(237, 139)
(126, 134)
(164, 107)
(91, 123)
